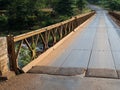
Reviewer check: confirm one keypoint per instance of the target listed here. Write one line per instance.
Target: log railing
(24, 48)
(116, 16)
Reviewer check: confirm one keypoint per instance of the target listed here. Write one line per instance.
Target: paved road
(94, 50)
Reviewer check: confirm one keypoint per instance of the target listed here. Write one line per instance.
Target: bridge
(82, 53)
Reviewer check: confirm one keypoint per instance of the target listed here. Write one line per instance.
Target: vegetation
(24, 57)
(19, 16)
(4, 4)
(81, 4)
(114, 5)
(94, 1)
(64, 7)
(109, 4)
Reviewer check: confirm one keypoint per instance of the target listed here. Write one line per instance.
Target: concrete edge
(42, 56)
(118, 72)
(102, 73)
(62, 71)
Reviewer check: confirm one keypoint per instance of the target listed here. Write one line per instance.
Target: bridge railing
(116, 16)
(24, 48)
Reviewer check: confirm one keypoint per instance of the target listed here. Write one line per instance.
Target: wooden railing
(116, 16)
(24, 48)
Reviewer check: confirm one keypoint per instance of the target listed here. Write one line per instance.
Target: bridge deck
(94, 50)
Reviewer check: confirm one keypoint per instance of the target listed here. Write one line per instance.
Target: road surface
(94, 50)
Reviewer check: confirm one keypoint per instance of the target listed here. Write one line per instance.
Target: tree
(94, 1)
(81, 4)
(21, 14)
(114, 4)
(4, 4)
(46, 3)
(64, 7)
(3, 22)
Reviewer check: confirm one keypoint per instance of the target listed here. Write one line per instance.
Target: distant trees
(81, 4)
(114, 4)
(29, 14)
(111, 4)
(46, 3)
(4, 4)
(64, 7)
(21, 14)
(3, 22)
(94, 1)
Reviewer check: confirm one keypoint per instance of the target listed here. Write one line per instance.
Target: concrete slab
(101, 59)
(77, 58)
(83, 43)
(115, 47)
(114, 39)
(62, 71)
(101, 65)
(118, 71)
(116, 56)
(51, 82)
(101, 73)
(101, 44)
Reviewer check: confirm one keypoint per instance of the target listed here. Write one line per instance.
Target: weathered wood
(11, 53)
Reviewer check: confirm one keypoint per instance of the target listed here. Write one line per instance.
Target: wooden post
(46, 40)
(11, 53)
(76, 22)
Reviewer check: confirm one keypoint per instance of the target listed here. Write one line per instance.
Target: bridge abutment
(5, 72)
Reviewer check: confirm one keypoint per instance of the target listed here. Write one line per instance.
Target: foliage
(28, 14)
(94, 1)
(4, 4)
(24, 57)
(81, 4)
(3, 22)
(64, 7)
(46, 3)
(111, 4)
(114, 4)
(21, 13)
